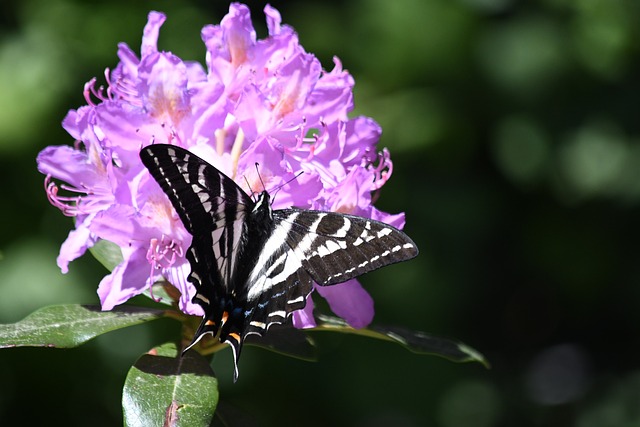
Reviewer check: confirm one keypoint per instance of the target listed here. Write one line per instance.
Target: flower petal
(69, 165)
(118, 224)
(128, 279)
(350, 301)
(273, 20)
(177, 276)
(151, 32)
(303, 319)
(162, 86)
(76, 244)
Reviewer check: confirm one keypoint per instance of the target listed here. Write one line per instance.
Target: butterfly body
(253, 266)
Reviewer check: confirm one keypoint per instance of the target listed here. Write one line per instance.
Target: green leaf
(414, 341)
(107, 253)
(163, 389)
(110, 255)
(286, 340)
(66, 326)
(160, 293)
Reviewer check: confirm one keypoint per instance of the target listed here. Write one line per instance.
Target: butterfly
(253, 266)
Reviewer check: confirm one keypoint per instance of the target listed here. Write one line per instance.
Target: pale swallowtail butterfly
(253, 266)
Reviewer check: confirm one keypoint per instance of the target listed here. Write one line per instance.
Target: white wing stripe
(342, 231)
(279, 313)
(296, 300)
(305, 244)
(329, 247)
(288, 264)
(271, 246)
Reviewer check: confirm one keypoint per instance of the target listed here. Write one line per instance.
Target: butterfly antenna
(273, 197)
(260, 176)
(253, 193)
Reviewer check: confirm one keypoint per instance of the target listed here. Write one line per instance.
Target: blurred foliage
(515, 134)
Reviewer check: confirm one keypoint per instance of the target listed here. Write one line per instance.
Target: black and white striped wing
(334, 248)
(277, 289)
(212, 208)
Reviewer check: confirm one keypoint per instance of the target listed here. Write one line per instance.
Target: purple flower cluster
(266, 101)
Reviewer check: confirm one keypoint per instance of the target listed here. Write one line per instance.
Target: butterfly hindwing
(279, 283)
(335, 247)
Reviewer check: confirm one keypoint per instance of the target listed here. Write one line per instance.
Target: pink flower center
(163, 253)
(289, 96)
(237, 49)
(166, 102)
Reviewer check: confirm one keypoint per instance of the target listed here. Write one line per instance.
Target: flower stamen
(236, 150)
(86, 201)
(162, 254)
(90, 89)
(220, 135)
(382, 171)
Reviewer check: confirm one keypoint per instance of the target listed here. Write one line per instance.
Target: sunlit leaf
(66, 326)
(414, 341)
(163, 389)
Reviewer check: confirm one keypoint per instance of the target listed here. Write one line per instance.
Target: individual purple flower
(266, 101)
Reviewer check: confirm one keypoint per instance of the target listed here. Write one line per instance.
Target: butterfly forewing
(211, 206)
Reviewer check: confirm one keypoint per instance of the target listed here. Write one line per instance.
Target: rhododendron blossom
(264, 101)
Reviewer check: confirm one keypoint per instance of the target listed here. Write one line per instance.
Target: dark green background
(514, 129)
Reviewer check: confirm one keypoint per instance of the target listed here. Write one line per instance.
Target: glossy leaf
(414, 341)
(286, 340)
(66, 326)
(164, 389)
(107, 253)
(163, 292)
(110, 255)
